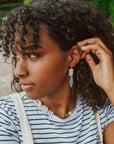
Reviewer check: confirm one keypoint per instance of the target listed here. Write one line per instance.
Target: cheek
(55, 71)
(50, 71)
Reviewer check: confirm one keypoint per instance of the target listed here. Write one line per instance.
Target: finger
(83, 55)
(94, 40)
(97, 50)
(89, 59)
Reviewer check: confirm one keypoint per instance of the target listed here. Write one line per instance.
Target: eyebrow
(33, 47)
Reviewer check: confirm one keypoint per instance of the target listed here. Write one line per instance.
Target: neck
(62, 101)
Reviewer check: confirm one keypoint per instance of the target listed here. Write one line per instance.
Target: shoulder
(9, 122)
(108, 107)
(107, 113)
(8, 109)
(7, 101)
(7, 105)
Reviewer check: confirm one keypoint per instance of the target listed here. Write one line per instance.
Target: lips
(26, 86)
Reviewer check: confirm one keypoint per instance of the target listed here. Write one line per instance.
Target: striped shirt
(79, 128)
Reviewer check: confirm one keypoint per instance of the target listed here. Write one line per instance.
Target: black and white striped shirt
(79, 128)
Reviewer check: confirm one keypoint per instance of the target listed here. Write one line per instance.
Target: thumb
(89, 59)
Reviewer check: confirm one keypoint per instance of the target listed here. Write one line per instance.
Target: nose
(21, 69)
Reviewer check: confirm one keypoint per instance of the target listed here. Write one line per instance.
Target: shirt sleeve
(109, 112)
(8, 134)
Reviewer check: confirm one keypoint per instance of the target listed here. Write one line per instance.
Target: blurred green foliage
(27, 1)
(7, 5)
(107, 6)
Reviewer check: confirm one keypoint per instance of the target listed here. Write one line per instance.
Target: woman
(63, 71)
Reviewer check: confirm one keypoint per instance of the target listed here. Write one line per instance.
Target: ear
(74, 55)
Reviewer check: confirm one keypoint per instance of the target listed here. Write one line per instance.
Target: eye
(33, 55)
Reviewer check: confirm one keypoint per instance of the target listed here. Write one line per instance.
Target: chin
(32, 95)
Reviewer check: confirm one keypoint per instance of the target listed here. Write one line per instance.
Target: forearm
(110, 94)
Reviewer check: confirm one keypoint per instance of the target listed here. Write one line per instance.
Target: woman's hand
(103, 72)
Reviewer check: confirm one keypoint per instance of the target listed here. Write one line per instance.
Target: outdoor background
(6, 6)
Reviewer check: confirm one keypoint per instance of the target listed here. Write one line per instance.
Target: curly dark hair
(68, 22)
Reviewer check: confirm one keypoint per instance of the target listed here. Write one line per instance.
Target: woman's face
(44, 74)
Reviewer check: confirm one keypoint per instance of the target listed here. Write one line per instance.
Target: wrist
(110, 93)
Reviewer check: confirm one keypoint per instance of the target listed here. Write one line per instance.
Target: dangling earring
(71, 72)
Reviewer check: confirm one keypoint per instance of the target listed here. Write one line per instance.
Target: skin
(103, 74)
(49, 72)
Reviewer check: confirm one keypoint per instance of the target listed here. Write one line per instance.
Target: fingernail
(82, 47)
(77, 42)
